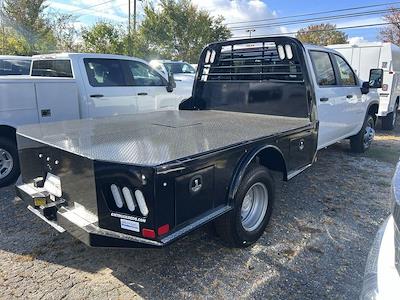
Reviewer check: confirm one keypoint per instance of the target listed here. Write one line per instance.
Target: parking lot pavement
(315, 246)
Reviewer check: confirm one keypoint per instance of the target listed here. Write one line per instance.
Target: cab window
(323, 68)
(346, 74)
(143, 75)
(103, 72)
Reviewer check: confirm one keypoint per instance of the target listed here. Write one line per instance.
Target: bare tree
(391, 33)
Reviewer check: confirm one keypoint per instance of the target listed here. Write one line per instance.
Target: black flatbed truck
(147, 180)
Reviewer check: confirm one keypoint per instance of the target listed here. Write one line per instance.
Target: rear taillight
(126, 198)
(148, 233)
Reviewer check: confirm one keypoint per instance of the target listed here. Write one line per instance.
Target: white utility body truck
(386, 56)
(77, 86)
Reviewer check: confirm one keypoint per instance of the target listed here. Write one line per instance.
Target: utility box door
(57, 101)
(194, 194)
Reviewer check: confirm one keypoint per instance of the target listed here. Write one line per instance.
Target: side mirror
(365, 88)
(171, 83)
(375, 78)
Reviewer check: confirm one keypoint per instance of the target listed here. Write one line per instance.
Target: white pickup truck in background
(386, 56)
(76, 86)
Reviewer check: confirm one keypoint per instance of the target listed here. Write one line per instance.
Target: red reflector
(148, 233)
(163, 229)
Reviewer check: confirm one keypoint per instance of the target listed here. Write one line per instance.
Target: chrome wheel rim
(369, 134)
(6, 163)
(254, 206)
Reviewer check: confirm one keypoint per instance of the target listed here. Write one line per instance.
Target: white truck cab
(366, 56)
(342, 98)
(73, 86)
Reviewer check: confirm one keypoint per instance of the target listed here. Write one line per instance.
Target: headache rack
(254, 61)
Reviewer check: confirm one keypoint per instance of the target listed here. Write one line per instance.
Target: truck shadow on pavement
(315, 246)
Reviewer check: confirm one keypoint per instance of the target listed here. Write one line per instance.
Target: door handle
(46, 112)
(324, 99)
(97, 96)
(142, 94)
(349, 96)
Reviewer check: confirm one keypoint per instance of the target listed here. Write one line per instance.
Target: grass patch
(387, 138)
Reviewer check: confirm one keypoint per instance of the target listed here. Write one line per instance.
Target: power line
(316, 13)
(309, 20)
(322, 30)
(89, 7)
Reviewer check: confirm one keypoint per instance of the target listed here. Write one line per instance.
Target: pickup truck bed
(151, 139)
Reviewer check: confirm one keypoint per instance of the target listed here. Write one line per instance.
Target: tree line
(176, 29)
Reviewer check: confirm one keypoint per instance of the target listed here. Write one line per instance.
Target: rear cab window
(323, 68)
(52, 68)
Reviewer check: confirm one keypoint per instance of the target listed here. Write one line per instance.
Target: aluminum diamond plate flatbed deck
(151, 139)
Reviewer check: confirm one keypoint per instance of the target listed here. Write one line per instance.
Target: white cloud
(113, 11)
(356, 40)
(241, 11)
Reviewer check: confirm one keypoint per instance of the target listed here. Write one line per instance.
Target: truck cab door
(329, 114)
(108, 92)
(349, 100)
(151, 88)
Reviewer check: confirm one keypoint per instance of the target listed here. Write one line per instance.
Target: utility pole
(129, 29)
(3, 28)
(129, 24)
(250, 31)
(134, 16)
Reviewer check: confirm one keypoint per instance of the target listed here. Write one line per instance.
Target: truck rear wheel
(389, 122)
(362, 141)
(253, 203)
(9, 163)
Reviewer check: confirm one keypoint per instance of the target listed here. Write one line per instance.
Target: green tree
(11, 43)
(179, 30)
(391, 33)
(27, 18)
(103, 37)
(321, 34)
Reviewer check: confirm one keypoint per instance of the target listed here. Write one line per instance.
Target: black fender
(244, 163)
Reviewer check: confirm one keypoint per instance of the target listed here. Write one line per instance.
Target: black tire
(229, 227)
(358, 143)
(11, 149)
(389, 122)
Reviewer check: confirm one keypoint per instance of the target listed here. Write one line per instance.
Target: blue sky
(238, 11)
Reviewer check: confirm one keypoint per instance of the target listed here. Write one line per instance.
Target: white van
(373, 55)
(75, 86)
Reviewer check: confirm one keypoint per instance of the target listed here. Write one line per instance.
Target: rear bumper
(82, 224)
